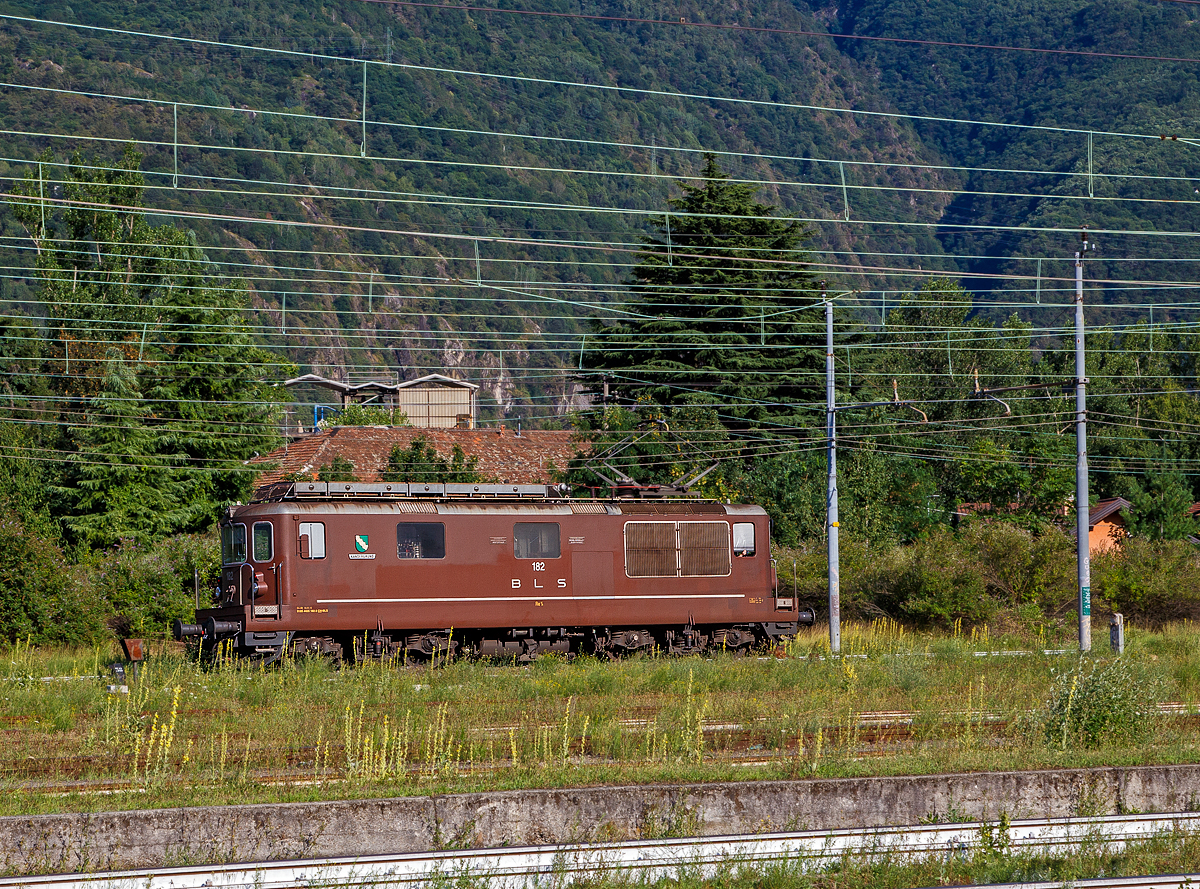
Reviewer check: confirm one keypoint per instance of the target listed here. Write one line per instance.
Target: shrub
(340, 470)
(1021, 568)
(143, 588)
(420, 462)
(1092, 705)
(941, 583)
(1158, 581)
(365, 415)
(39, 599)
(867, 575)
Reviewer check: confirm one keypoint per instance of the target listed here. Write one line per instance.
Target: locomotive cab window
(233, 544)
(421, 540)
(536, 540)
(261, 544)
(312, 540)
(743, 539)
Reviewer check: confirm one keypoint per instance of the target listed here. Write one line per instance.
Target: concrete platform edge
(249, 833)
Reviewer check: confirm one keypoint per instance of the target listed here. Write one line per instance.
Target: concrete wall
(121, 840)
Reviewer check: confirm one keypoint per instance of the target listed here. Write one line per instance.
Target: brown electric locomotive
(416, 571)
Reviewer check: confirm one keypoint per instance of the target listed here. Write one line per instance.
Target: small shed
(438, 402)
(429, 402)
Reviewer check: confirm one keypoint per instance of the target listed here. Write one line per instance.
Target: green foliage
(514, 155)
(1096, 704)
(25, 480)
(157, 347)
(338, 470)
(205, 377)
(142, 588)
(654, 445)
(420, 462)
(1153, 581)
(1021, 567)
(1031, 478)
(791, 488)
(714, 313)
(366, 415)
(120, 483)
(40, 600)
(940, 583)
(1160, 503)
(944, 576)
(881, 499)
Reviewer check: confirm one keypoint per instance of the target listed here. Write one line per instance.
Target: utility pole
(1081, 464)
(835, 603)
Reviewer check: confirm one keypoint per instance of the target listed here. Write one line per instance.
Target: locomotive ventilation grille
(703, 549)
(677, 549)
(415, 506)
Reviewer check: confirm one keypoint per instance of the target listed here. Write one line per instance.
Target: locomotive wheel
(318, 646)
(734, 641)
(428, 648)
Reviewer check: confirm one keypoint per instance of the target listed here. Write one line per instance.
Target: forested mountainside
(543, 142)
(477, 140)
(1098, 104)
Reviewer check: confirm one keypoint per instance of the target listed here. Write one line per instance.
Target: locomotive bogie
(404, 578)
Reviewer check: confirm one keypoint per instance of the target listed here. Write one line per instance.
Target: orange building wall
(1105, 534)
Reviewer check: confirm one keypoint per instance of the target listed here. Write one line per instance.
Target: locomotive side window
(536, 540)
(421, 540)
(260, 542)
(743, 538)
(312, 540)
(233, 544)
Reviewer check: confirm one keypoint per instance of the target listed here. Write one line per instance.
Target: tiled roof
(503, 455)
(1107, 509)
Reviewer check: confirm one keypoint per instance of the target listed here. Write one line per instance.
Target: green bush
(39, 599)
(366, 415)
(1022, 568)
(942, 582)
(144, 588)
(1093, 705)
(867, 574)
(1156, 581)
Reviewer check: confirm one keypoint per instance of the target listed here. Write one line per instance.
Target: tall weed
(1096, 704)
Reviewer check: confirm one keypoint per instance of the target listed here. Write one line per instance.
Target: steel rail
(1154, 881)
(520, 867)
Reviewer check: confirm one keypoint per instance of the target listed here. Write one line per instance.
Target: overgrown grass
(186, 734)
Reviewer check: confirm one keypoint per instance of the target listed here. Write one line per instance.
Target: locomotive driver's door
(264, 580)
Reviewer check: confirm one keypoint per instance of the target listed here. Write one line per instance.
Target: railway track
(517, 868)
(1157, 881)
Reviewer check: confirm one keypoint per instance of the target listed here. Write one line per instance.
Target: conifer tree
(118, 289)
(123, 481)
(720, 311)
